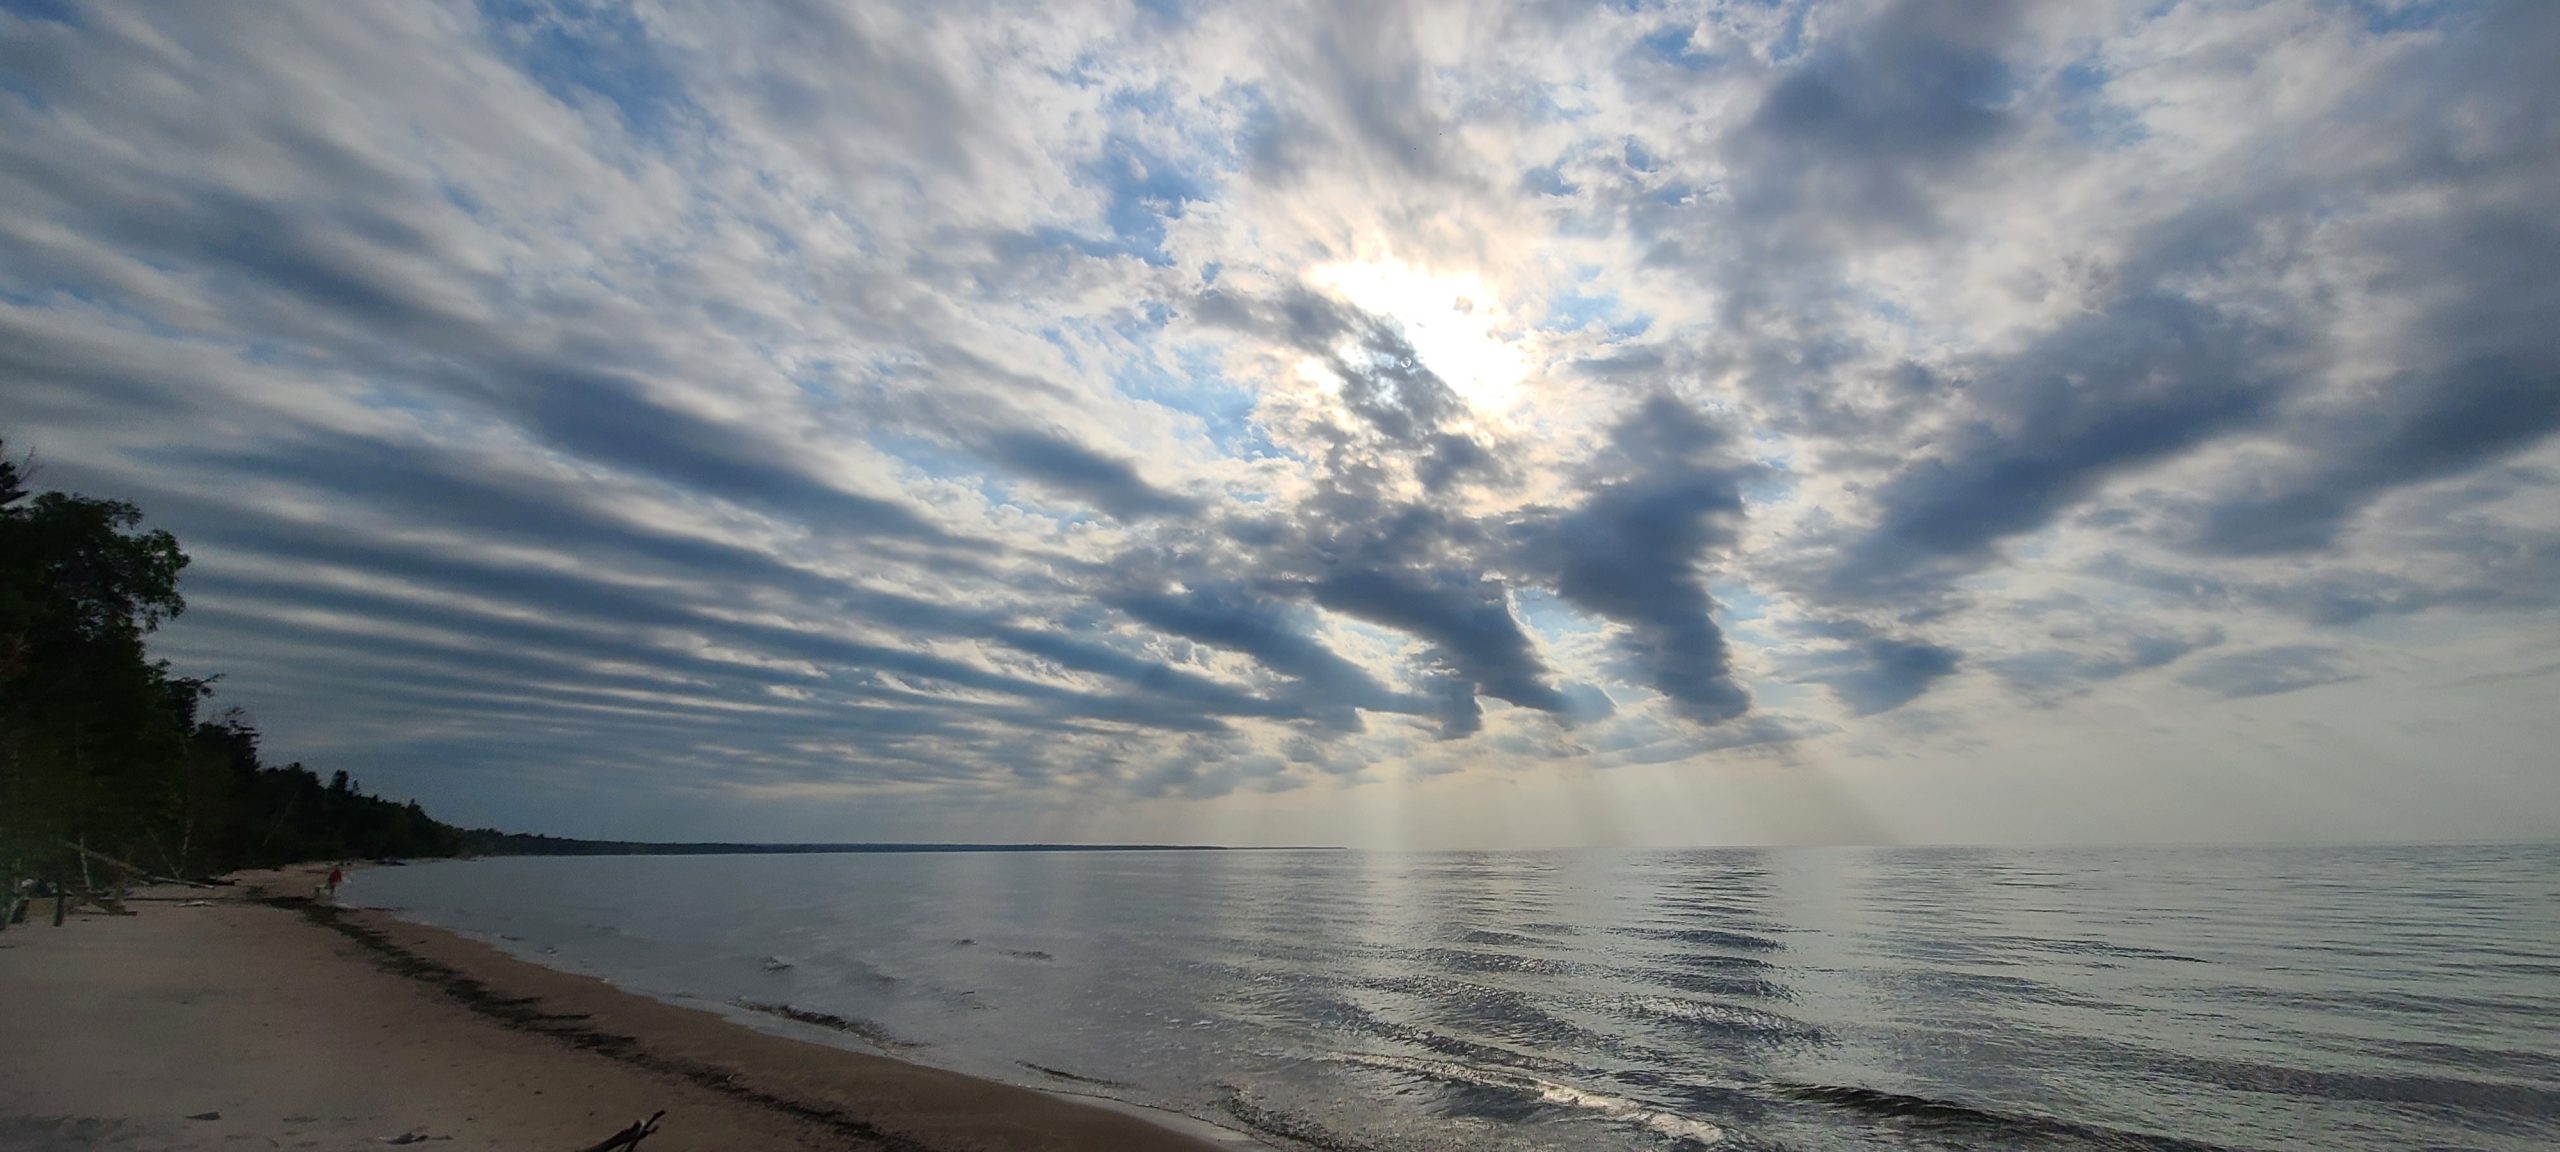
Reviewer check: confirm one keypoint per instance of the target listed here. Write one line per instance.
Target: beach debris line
(862, 1030)
(629, 1138)
(520, 1013)
(1063, 1074)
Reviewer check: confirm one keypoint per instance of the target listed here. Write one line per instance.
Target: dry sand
(241, 1024)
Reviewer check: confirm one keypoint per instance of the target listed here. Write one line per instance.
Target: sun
(1455, 323)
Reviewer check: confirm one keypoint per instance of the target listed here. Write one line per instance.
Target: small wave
(1720, 984)
(1556, 1093)
(2006, 1126)
(1296, 1130)
(2099, 948)
(1707, 937)
(862, 1030)
(1506, 1015)
(1472, 961)
(1721, 1017)
(2469, 1093)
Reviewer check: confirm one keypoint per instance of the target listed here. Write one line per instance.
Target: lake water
(2318, 998)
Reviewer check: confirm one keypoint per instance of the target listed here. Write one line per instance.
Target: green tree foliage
(101, 747)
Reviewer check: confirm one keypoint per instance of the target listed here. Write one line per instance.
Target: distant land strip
(482, 843)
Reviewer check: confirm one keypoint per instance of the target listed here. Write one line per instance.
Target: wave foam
(1555, 1092)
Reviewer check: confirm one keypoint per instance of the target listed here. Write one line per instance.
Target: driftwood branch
(131, 869)
(628, 1140)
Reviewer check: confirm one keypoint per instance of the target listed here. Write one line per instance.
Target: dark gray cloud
(1853, 135)
(2478, 412)
(499, 498)
(1111, 483)
(2148, 378)
(606, 421)
(1631, 552)
(1467, 620)
(2483, 276)
(2489, 387)
(2475, 565)
(1456, 459)
(2053, 673)
(1882, 673)
(1237, 620)
(2270, 671)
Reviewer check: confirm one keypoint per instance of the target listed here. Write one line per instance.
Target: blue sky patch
(584, 51)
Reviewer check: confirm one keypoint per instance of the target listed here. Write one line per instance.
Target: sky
(1400, 425)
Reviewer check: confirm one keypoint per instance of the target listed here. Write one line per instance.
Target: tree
(102, 747)
(86, 739)
(13, 478)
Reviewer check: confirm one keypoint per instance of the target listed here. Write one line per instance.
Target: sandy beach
(248, 1017)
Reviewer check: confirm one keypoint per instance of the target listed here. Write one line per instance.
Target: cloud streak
(1105, 406)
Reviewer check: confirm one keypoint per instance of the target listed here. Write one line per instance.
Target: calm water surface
(2353, 998)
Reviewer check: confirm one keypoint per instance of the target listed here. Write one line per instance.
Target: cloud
(1631, 551)
(1467, 622)
(2476, 364)
(1235, 619)
(2144, 380)
(1852, 135)
(2052, 673)
(1882, 673)
(1110, 483)
(1383, 379)
(2481, 411)
(2270, 671)
(605, 421)
(569, 402)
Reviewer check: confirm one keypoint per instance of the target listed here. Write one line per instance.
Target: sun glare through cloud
(1456, 324)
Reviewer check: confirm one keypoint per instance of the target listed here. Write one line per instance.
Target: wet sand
(261, 1019)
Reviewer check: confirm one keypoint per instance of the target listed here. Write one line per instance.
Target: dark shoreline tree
(103, 750)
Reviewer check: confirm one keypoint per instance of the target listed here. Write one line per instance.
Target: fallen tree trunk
(87, 854)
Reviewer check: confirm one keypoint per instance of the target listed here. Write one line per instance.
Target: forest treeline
(107, 754)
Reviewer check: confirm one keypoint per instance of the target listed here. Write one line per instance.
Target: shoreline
(759, 1019)
(256, 1014)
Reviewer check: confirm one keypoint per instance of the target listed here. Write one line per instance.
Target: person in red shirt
(335, 875)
